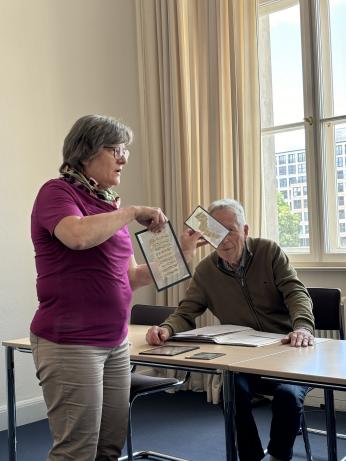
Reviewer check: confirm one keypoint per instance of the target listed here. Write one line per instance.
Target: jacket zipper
(242, 281)
(248, 298)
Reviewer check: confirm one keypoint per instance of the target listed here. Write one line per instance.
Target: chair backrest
(327, 309)
(146, 314)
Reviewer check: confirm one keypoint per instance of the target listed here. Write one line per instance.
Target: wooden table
(236, 359)
(322, 366)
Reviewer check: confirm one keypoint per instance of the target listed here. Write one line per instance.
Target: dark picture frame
(164, 256)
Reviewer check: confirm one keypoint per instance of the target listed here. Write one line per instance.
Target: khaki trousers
(86, 390)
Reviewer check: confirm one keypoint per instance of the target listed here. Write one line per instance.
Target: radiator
(327, 334)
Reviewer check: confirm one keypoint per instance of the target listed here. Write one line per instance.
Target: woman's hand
(189, 242)
(152, 218)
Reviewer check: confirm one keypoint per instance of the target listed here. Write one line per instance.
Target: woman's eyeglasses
(119, 152)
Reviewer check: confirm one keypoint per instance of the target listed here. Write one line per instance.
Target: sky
(287, 69)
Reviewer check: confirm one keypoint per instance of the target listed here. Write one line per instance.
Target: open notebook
(233, 335)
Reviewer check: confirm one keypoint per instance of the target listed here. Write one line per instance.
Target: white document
(250, 338)
(232, 335)
(213, 330)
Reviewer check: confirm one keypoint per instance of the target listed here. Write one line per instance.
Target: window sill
(319, 268)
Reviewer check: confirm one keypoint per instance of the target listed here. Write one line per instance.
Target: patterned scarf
(90, 185)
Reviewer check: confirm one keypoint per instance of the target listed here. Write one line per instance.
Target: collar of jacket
(218, 261)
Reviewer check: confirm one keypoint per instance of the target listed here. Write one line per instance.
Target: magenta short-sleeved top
(84, 295)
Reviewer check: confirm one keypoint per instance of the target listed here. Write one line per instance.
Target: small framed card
(211, 229)
(163, 256)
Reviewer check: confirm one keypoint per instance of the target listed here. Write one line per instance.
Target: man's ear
(246, 230)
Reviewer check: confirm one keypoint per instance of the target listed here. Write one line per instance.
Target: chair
(327, 310)
(144, 385)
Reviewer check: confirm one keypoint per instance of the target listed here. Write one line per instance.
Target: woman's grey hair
(233, 205)
(88, 135)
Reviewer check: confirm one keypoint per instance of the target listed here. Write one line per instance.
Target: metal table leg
(331, 424)
(11, 404)
(229, 415)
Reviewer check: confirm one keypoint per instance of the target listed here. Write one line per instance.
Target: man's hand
(299, 338)
(157, 335)
(189, 242)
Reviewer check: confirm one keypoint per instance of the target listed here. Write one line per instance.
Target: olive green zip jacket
(268, 296)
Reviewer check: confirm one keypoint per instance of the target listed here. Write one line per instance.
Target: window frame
(320, 170)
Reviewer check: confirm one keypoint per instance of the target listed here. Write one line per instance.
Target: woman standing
(86, 272)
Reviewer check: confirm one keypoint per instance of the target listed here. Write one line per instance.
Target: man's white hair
(233, 205)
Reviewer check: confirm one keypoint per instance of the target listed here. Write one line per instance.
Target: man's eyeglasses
(119, 152)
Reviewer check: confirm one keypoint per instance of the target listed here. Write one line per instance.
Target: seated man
(249, 281)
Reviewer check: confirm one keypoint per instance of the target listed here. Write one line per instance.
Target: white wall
(60, 59)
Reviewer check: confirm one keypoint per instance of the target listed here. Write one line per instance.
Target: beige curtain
(199, 104)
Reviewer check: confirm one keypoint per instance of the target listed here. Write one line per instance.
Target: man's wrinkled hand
(299, 338)
(157, 336)
(189, 242)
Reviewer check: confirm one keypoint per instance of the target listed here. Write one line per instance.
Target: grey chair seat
(143, 384)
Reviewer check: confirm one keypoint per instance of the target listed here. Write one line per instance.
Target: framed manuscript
(163, 256)
(212, 230)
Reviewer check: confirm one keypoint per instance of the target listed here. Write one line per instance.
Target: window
(338, 150)
(301, 168)
(282, 171)
(297, 204)
(339, 161)
(291, 158)
(301, 157)
(283, 182)
(303, 119)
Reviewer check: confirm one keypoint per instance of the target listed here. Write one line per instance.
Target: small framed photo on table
(163, 256)
(211, 229)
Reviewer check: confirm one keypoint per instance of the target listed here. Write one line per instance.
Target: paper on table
(213, 330)
(253, 338)
(236, 335)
